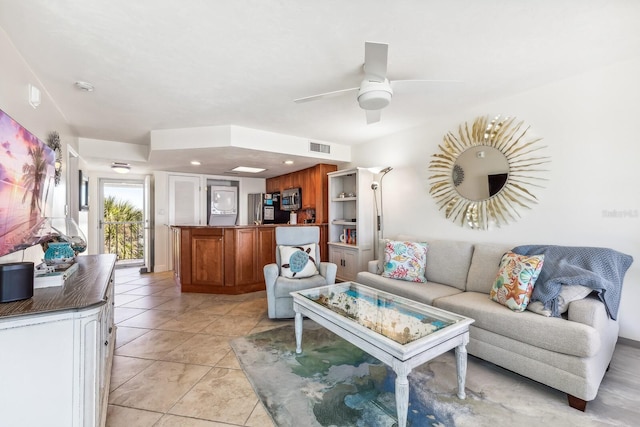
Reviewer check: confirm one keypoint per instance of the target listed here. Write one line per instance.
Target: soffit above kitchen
(218, 149)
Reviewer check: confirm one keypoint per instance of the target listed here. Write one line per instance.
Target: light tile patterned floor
(173, 365)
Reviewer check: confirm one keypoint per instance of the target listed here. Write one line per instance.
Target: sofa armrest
(372, 267)
(589, 311)
(328, 270)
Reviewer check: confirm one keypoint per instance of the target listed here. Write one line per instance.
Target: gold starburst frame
(521, 152)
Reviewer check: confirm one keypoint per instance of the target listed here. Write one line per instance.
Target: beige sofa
(570, 354)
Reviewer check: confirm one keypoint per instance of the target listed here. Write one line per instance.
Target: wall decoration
(26, 184)
(501, 165)
(53, 141)
(83, 191)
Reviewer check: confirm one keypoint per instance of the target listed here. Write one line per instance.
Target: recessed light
(288, 162)
(195, 163)
(248, 169)
(84, 86)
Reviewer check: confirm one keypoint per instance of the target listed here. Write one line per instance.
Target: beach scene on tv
(26, 181)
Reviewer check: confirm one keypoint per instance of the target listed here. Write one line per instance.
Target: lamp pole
(375, 186)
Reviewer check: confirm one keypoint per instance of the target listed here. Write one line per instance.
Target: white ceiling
(159, 64)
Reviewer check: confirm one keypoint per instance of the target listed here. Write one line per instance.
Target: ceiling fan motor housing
(374, 95)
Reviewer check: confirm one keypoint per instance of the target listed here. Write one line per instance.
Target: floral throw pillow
(405, 261)
(516, 277)
(297, 262)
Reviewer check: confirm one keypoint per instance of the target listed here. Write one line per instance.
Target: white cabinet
(184, 200)
(57, 351)
(347, 261)
(351, 221)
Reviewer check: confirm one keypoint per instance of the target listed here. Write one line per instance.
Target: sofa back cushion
(485, 264)
(448, 262)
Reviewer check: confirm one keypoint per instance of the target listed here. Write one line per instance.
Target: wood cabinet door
(286, 181)
(324, 248)
(273, 185)
(266, 249)
(245, 256)
(308, 188)
(207, 259)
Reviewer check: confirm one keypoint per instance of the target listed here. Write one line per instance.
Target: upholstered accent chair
(280, 303)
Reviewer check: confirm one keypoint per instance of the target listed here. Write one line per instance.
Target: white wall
(15, 76)
(590, 125)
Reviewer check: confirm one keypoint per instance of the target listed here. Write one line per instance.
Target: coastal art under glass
(483, 175)
(26, 183)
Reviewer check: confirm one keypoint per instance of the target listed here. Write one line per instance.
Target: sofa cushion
(405, 260)
(516, 277)
(285, 285)
(297, 262)
(448, 262)
(484, 266)
(422, 292)
(551, 333)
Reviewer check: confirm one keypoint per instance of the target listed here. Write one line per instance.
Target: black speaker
(16, 281)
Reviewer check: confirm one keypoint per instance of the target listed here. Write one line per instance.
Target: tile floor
(173, 365)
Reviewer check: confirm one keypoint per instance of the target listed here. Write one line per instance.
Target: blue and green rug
(333, 383)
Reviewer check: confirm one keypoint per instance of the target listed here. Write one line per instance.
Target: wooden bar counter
(226, 260)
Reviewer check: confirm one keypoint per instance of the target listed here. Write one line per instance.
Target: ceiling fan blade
(408, 81)
(375, 60)
(325, 95)
(373, 116)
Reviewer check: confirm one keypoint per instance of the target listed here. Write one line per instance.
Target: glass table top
(394, 317)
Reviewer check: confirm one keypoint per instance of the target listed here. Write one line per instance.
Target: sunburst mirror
(502, 166)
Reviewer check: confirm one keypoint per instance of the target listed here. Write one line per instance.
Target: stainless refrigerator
(264, 208)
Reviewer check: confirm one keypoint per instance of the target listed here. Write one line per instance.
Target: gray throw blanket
(600, 269)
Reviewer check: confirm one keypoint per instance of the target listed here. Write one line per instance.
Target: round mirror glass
(484, 172)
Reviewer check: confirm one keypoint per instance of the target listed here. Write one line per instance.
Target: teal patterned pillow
(515, 280)
(297, 262)
(405, 261)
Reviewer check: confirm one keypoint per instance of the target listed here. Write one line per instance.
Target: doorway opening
(122, 222)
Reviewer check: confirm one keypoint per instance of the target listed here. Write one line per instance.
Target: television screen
(26, 181)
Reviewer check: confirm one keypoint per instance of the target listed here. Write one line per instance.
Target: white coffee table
(399, 332)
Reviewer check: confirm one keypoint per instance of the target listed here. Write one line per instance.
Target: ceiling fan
(375, 90)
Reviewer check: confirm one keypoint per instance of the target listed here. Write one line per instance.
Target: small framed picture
(83, 200)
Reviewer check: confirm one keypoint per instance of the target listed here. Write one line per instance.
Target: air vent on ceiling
(319, 148)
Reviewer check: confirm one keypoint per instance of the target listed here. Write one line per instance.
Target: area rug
(333, 383)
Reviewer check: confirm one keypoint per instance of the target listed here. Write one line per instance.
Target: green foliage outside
(123, 229)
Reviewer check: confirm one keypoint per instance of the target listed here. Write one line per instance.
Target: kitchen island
(226, 260)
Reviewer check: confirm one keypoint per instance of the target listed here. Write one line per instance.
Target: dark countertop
(84, 288)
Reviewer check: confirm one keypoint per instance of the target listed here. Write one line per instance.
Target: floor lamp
(375, 186)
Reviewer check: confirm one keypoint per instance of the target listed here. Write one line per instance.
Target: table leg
(461, 368)
(402, 393)
(298, 327)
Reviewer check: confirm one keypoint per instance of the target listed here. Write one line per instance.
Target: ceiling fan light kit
(374, 95)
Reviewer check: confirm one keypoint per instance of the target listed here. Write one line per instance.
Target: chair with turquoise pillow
(294, 274)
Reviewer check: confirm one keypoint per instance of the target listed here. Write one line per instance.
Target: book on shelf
(47, 277)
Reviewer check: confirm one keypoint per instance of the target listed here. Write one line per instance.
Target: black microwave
(291, 199)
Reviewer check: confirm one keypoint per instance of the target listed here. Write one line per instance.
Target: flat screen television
(26, 182)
